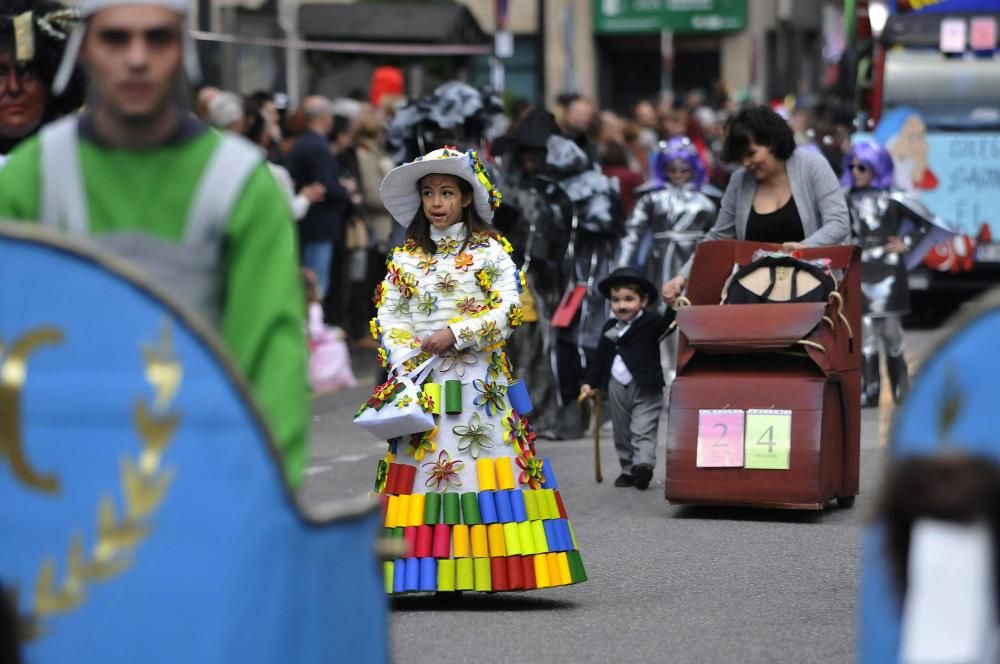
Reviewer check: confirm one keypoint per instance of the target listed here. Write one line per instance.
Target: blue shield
(142, 504)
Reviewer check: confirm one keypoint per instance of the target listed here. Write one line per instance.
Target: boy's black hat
(631, 276)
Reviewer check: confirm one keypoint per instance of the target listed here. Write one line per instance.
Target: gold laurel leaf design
(143, 485)
(163, 372)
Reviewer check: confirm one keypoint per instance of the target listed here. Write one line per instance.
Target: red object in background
(628, 181)
(386, 80)
(955, 255)
(928, 182)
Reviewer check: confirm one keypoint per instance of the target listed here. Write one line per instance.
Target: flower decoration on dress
(513, 432)
(379, 296)
(427, 304)
(447, 246)
(493, 300)
(484, 279)
(407, 285)
(400, 306)
(426, 402)
(404, 402)
(443, 471)
(491, 395)
(466, 335)
(375, 329)
(479, 240)
(393, 273)
(427, 264)
(515, 316)
(468, 305)
(382, 355)
(507, 246)
(412, 247)
(474, 436)
(463, 261)
(421, 444)
(491, 272)
(382, 474)
(531, 470)
(446, 283)
(528, 442)
(457, 359)
(400, 335)
(484, 178)
(489, 333)
(498, 365)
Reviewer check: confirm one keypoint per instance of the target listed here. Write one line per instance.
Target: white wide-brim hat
(90, 7)
(399, 188)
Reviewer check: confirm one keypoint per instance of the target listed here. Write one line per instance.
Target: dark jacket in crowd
(639, 348)
(311, 161)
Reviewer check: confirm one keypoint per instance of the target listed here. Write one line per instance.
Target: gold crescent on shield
(13, 374)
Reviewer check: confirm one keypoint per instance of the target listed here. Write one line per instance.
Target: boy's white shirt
(619, 371)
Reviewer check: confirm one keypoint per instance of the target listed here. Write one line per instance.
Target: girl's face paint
(443, 200)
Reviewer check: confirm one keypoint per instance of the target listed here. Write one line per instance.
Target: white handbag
(395, 407)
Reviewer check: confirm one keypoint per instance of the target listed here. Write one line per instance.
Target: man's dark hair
(419, 229)
(633, 286)
(758, 124)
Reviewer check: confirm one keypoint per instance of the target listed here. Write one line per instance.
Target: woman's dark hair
(419, 229)
(759, 124)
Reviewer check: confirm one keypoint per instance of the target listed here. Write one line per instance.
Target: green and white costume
(202, 215)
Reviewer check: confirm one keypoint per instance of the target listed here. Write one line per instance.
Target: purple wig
(875, 157)
(678, 148)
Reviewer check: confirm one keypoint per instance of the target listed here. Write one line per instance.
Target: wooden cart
(798, 357)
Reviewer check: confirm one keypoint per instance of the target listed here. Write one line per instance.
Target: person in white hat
(451, 298)
(196, 209)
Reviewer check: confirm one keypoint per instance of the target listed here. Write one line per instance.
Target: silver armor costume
(664, 229)
(661, 235)
(876, 216)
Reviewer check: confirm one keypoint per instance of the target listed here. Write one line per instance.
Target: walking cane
(596, 397)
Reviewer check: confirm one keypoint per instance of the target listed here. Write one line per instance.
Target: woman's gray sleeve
(834, 219)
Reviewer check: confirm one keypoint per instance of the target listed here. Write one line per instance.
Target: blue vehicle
(928, 91)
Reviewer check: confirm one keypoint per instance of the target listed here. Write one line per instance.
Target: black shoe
(643, 473)
(625, 480)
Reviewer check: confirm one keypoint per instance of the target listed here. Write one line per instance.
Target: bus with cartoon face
(929, 91)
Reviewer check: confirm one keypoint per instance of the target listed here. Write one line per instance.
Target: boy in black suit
(627, 361)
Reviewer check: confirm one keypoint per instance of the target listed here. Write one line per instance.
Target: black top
(639, 348)
(311, 161)
(782, 225)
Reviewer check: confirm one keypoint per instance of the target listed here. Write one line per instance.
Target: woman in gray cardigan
(781, 195)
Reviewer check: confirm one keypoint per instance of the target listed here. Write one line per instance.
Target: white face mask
(949, 614)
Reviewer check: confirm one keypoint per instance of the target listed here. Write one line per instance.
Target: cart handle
(680, 303)
(836, 296)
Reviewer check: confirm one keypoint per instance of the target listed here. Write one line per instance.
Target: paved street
(667, 584)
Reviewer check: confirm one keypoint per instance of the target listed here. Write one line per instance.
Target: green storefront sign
(637, 16)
